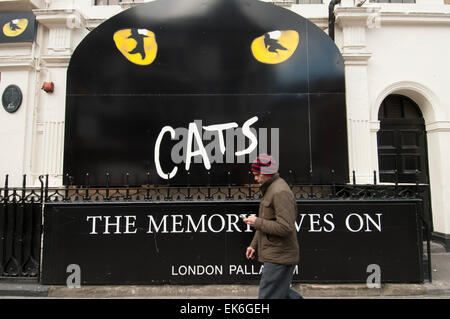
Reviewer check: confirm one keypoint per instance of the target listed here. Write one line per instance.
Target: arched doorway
(402, 143)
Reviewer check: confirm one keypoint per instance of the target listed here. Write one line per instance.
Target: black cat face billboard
(17, 27)
(177, 86)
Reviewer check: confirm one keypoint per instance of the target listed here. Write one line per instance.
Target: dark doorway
(402, 143)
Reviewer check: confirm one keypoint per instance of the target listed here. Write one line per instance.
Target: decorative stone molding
(434, 18)
(354, 22)
(438, 126)
(58, 27)
(322, 23)
(356, 58)
(283, 3)
(374, 126)
(27, 63)
(60, 24)
(55, 61)
(17, 55)
(128, 4)
(429, 103)
(91, 24)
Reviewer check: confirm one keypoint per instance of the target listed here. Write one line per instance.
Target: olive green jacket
(275, 238)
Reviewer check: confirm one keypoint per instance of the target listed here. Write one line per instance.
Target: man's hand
(250, 253)
(250, 220)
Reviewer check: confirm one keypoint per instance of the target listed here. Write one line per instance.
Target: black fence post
(229, 186)
(46, 188)
(208, 196)
(250, 175)
(291, 178)
(3, 216)
(86, 194)
(24, 186)
(147, 187)
(41, 180)
(108, 180)
(333, 183)
(168, 196)
(13, 265)
(127, 183)
(188, 178)
(18, 231)
(66, 189)
(6, 189)
(23, 240)
(70, 184)
(426, 226)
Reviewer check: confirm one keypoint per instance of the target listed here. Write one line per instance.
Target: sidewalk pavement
(438, 288)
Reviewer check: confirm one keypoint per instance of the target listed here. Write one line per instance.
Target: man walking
(275, 241)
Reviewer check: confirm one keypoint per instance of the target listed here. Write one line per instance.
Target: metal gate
(20, 230)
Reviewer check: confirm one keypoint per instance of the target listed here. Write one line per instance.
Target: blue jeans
(276, 282)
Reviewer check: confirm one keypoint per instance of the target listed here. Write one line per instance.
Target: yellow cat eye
(15, 27)
(138, 46)
(275, 47)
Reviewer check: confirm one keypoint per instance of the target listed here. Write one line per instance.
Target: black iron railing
(20, 230)
(230, 192)
(21, 208)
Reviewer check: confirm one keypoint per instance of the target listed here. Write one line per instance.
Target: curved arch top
(425, 98)
(174, 62)
(209, 41)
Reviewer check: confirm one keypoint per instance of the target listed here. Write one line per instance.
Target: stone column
(60, 26)
(353, 22)
(438, 137)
